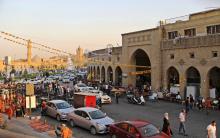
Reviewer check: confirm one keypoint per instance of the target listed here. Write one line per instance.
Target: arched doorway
(214, 81)
(110, 74)
(172, 77)
(98, 73)
(193, 80)
(118, 76)
(140, 58)
(103, 74)
(94, 74)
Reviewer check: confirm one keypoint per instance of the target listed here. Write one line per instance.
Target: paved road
(196, 124)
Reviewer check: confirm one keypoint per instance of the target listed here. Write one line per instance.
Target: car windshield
(63, 105)
(149, 130)
(97, 114)
(81, 85)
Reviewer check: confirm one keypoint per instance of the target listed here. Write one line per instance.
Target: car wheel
(58, 117)
(93, 130)
(113, 136)
(72, 123)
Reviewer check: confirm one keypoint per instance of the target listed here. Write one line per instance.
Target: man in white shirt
(182, 118)
(211, 129)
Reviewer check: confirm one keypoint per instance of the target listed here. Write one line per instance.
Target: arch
(98, 73)
(193, 76)
(118, 76)
(214, 80)
(110, 74)
(141, 58)
(103, 74)
(172, 76)
(193, 80)
(94, 73)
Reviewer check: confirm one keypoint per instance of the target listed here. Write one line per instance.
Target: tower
(79, 56)
(29, 54)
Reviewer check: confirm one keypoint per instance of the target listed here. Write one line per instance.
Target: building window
(214, 54)
(103, 59)
(190, 32)
(172, 35)
(171, 56)
(192, 55)
(109, 59)
(214, 29)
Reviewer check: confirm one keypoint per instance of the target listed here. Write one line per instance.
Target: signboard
(30, 101)
(29, 89)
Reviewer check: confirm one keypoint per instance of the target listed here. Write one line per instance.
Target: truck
(84, 99)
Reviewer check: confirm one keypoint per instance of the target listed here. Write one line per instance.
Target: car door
(86, 120)
(77, 117)
(49, 109)
(121, 130)
(132, 132)
(53, 110)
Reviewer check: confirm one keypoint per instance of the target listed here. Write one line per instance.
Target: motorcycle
(136, 100)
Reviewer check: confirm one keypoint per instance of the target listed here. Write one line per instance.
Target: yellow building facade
(182, 52)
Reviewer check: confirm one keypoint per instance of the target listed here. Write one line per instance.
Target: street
(196, 124)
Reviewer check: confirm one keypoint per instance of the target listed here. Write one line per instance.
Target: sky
(90, 24)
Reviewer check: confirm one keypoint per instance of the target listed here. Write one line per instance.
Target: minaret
(29, 54)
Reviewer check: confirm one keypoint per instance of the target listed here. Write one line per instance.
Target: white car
(104, 97)
(81, 87)
(66, 79)
(58, 109)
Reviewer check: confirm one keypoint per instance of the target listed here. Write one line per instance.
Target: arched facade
(118, 76)
(141, 62)
(110, 74)
(98, 73)
(193, 82)
(172, 77)
(214, 81)
(103, 79)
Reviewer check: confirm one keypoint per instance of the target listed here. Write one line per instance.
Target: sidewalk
(19, 128)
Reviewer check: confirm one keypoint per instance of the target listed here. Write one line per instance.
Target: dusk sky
(92, 24)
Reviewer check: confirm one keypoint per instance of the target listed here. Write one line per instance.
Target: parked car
(48, 80)
(90, 118)
(58, 109)
(66, 79)
(135, 129)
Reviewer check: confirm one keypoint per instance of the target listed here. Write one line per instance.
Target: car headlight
(101, 126)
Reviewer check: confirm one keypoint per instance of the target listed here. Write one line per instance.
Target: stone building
(182, 51)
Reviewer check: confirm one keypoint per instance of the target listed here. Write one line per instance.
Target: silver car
(90, 118)
(58, 109)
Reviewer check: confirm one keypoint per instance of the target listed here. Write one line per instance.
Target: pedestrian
(187, 105)
(182, 119)
(191, 101)
(10, 112)
(116, 97)
(208, 105)
(166, 125)
(43, 107)
(65, 132)
(211, 130)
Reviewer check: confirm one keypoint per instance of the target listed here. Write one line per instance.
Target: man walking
(182, 118)
(211, 130)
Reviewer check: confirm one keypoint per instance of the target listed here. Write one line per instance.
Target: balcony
(192, 42)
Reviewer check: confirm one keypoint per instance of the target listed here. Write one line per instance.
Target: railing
(190, 42)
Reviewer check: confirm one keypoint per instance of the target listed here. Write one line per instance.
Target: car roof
(137, 123)
(87, 109)
(57, 101)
